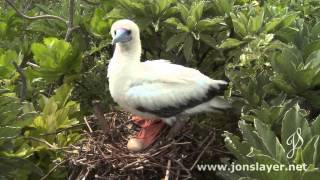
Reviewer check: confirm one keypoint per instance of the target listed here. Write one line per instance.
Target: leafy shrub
(52, 68)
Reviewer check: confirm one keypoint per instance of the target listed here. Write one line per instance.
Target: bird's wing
(165, 89)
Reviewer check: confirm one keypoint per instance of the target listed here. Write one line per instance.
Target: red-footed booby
(156, 90)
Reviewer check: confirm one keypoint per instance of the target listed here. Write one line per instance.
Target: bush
(53, 58)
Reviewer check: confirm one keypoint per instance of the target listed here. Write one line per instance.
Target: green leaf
(191, 22)
(295, 129)
(6, 67)
(255, 23)
(187, 47)
(9, 132)
(8, 165)
(315, 126)
(270, 141)
(55, 58)
(311, 175)
(315, 31)
(313, 60)
(183, 11)
(238, 149)
(177, 24)
(251, 136)
(50, 107)
(289, 19)
(175, 40)
(62, 95)
(266, 160)
(222, 7)
(197, 9)
(98, 25)
(164, 4)
(310, 48)
(311, 152)
(286, 64)
(208, 24)
(230, 43)
(209, 40)
(238, 26)
(3, 29)
(272, 25)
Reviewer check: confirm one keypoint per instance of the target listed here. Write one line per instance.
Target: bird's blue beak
(122, 35)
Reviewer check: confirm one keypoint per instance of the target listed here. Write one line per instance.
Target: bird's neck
(129, 53)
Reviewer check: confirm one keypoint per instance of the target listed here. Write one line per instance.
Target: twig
(70, 20)
(33, 65)
(168, 170)
(98, 112)
(23, 90)
(85, 120)
(184, 168)
(51, 170)
(130, 164)
(177, 174)
(61, 130)
(202, 152)
(42, 141)
(35, 17)
(69, 23)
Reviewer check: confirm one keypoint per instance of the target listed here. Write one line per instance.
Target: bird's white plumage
(145, 88)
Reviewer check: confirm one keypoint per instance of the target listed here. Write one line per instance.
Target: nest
(104, 154)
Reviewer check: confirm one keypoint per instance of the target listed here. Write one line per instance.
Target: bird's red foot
(150, 129)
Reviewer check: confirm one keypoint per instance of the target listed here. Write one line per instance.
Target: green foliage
(7, 58)
(268, 51)
(24, 131)
(260, 144)
(55, 58)
(56, 111)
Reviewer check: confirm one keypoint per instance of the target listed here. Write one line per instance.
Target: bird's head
(124, 31)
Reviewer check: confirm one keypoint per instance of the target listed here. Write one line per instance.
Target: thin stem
(53, 169)
(23, 90)
(35, 17)
(42, 141)
(70, 20)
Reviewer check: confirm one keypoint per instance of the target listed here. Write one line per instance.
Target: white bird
(157, 89)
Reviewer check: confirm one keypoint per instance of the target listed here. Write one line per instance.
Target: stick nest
(104, 154)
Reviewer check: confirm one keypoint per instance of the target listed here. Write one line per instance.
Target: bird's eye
(115, 32)
(129, 32)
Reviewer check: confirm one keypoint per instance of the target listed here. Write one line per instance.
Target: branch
(35, 17)
(98, 112)
(167, 177)
(53, 169)
(23, 90)
(203, 151)
(70, 20)
(42, 141)
(33, 65)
